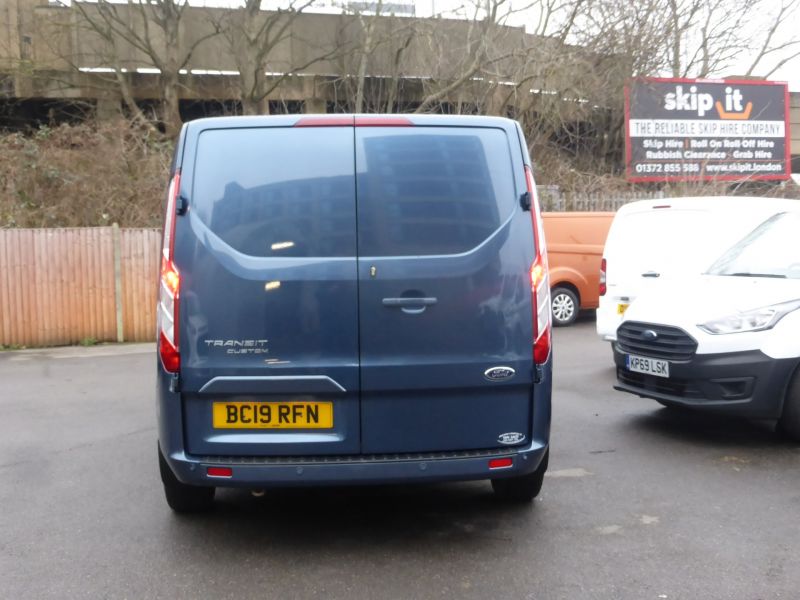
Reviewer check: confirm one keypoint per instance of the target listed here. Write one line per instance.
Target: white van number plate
(649, 366)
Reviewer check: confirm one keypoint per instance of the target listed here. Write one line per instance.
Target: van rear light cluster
(603, 288)
(540, 280)
(169, 286)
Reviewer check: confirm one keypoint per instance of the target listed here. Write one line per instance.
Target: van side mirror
(525, 201)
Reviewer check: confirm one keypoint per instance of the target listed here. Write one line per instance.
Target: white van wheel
(789, 422)
(565, 306)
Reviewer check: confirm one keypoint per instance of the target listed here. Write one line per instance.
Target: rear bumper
(302, 471)
(274, 471)
(607, 319)
(747, 384)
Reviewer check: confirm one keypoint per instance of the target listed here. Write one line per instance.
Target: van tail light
(169, 286)
(603, 277)
(540, 280)
(540, 291)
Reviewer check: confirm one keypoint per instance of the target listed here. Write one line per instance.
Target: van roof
(348, 119)
(578, 214)
(710, 203)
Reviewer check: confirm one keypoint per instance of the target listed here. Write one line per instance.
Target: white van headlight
(757, 319)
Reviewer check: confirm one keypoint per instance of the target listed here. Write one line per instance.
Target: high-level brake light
(354, 121)
(169, 286)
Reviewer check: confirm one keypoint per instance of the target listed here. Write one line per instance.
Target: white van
(651, 241)
(727, 341)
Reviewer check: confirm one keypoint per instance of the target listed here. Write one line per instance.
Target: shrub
(93, 173)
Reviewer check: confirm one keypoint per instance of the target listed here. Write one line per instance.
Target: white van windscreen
(771, 250)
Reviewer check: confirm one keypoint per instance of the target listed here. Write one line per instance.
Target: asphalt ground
(640, 502)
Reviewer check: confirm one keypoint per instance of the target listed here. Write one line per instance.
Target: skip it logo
(691, 101)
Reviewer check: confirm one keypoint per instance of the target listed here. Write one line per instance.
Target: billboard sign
(706, 130)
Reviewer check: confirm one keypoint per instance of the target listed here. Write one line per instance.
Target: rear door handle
(413, 302)
(651, 274)
(410, 306)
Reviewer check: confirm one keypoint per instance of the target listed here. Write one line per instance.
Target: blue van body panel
(329, 322)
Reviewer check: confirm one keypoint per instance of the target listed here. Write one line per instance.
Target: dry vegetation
(83, 175)
(113, 172)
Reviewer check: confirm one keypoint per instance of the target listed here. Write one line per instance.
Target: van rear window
(431, 190)
(278, 191)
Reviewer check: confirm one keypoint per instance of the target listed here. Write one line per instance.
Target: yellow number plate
(273, 415)
(621, 308)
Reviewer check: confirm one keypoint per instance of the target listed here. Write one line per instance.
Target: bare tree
(692, 38)
(260, 44)
(788, 49)
(151, 32)
(471, 55)
(370, 43)
(374, 61)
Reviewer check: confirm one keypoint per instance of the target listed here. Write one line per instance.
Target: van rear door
(268, 313)
(444, 289)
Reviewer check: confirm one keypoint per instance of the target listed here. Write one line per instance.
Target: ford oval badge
(498, 373)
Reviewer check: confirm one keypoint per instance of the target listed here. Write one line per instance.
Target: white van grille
(657, 341)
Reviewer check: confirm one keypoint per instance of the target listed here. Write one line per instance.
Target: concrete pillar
(107, 108)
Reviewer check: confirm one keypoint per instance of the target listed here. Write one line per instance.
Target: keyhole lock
(373, 271)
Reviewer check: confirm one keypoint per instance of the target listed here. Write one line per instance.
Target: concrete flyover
(52, 56)
(52, 51)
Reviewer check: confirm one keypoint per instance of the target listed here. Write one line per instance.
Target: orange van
(575, 243)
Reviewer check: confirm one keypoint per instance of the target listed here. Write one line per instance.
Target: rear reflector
(219, 472)
(603, 267)
(501, 463)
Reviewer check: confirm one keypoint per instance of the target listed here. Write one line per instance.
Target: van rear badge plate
(511, 438)
(499, 373)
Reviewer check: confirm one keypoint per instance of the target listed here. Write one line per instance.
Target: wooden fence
(553, 199)
(66, 286)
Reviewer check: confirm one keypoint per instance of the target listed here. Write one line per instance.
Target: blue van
(352, 300)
